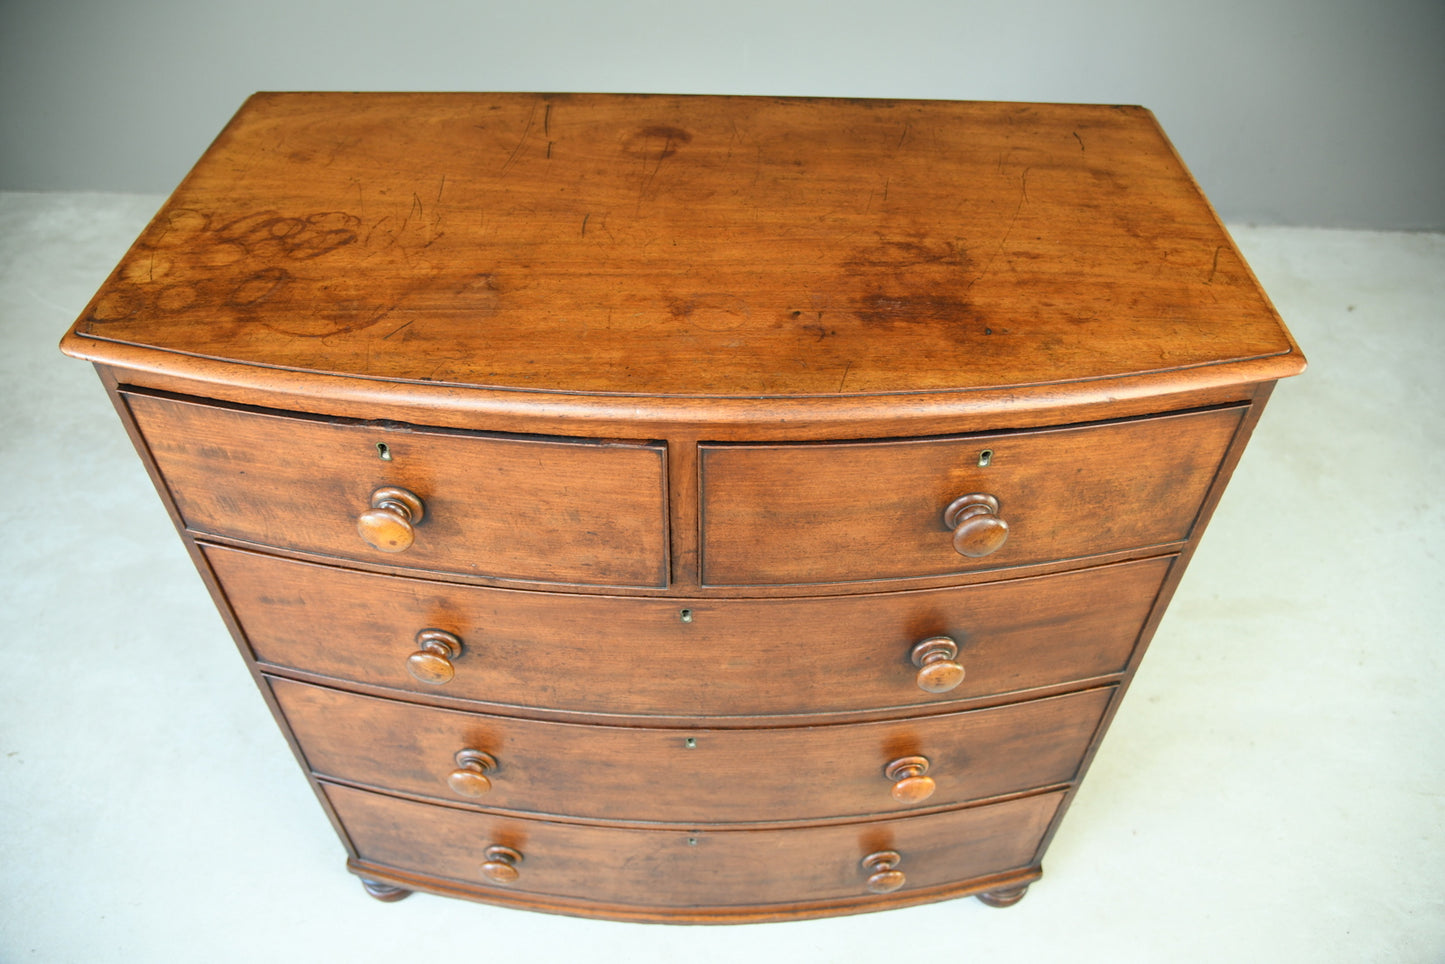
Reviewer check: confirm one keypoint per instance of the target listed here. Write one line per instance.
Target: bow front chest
(688, 508)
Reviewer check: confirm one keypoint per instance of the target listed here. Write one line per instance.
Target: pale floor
(1273, 788)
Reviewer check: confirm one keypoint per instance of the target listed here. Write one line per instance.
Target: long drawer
(567, 511)
(797, 514)
(692, 775)
(679, 870)
(686, 657)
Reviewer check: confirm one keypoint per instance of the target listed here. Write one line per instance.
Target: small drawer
(797, 514)
(535, 509)
(694, 775)
(671, 873)
(688, 657)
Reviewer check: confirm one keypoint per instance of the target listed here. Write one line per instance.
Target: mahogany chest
(688, 508)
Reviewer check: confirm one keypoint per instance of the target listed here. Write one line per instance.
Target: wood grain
(524, 508)
(574, 473)
(595, 244)
(851, 512)
(695, 775)
(707, 869)
(688, 657)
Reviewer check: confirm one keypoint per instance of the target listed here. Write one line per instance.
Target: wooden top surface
(689, 246)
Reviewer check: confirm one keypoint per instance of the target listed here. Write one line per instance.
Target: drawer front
(682, 657)
(696, 868)
(513, 508)
(800, 514)
(689, 776)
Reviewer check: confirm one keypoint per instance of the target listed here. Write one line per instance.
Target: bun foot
(386, 892)
(1004, 896)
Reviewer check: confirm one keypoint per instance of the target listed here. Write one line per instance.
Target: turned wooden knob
(501, 865)
(909, 783)
(938, 667)
(469, 779)
(884, 877)
(389, 524)
(432, 662)
(977, 529)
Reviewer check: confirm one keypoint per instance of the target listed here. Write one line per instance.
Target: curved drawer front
(700, 868)
(691, 775)
(818, 513)
(681, 657)
(570, 512)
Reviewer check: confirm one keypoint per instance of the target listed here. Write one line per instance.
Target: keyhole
(383, 451)
(984, 458)
(685, 615)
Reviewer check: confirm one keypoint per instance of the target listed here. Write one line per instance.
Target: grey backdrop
(1315, 112)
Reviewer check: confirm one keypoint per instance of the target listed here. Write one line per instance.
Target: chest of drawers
(688, 508)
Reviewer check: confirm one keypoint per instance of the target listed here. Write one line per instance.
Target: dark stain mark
(320, 327)
(317, 244)
(118, 304)
(656, 142)
(300, 238)
(908, 282)
(892, 256)
(710, 311)
(247, 248)
(258, 287)
(549, 150)
(176, 297)
(887, 310)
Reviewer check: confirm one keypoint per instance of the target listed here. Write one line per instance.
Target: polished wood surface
(860, 247)
(575, 512)
(806, 514)
(695, 775)
(611, 871)
(688, 657)
(689, 508)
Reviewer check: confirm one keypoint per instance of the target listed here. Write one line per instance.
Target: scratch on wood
(441, 187)
(844, 380)
(1003, 241)
(396, 329)
(416, 208)
(1214, 267)
(549, 150)
(547, 121)
(904, 136)
(378, 224)
(523, 139)
(584, 224)
(1080, 140)
(886, 182)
